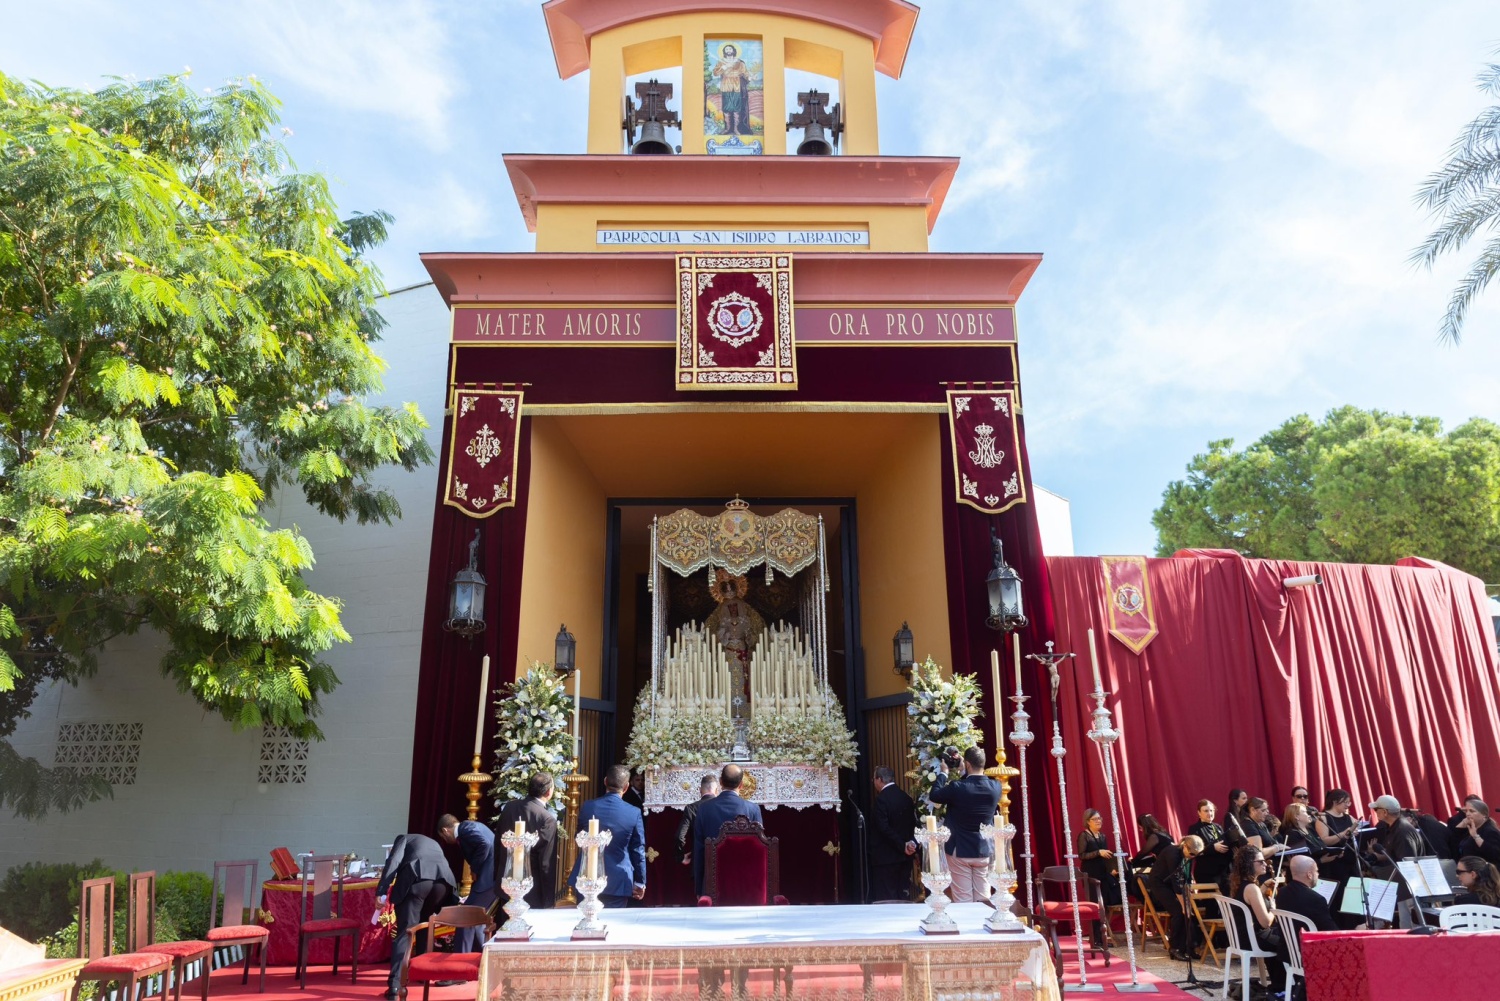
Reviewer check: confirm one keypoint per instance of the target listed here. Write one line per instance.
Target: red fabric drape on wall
(1383, 680)
(448, 677)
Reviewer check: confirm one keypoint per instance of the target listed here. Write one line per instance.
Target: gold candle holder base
(574, 782)
(473, 778)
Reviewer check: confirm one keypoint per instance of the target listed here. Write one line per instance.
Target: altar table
(281, 897)
(1391, 965)
(864, 951)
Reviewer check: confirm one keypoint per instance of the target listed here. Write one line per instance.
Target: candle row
(781, 673)
(696, 673)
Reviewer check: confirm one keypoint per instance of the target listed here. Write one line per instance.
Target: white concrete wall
(1054, 517)
(196, 796)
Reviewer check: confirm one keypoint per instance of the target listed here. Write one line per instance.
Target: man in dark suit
(539, 820)
(477, 842)
(715, 813)
(417, 882)
(971, 800)
(1299, 897)
(708, 788)
(623, 861)
(891, 847)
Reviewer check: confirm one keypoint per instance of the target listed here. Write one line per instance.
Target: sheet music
(1327, 888)
(1416, 880)
(1437, 880)
(1382, 898)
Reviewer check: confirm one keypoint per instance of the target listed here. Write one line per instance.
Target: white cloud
(393, 58)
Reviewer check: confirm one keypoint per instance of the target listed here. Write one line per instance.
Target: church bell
(814, 141)
(653, 139)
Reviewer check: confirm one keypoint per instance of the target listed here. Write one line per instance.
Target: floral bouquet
(533, 735)
(815, 739)
(681, 740)
(940, 717)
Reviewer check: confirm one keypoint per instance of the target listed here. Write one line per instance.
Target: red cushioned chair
(228, 922)
(1056, 908)
(323, 881)
(741, 867)
(140, 935)
(96, 943)
(429, 967)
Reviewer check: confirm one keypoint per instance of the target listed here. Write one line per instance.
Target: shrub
(39, 898)
(182, 905)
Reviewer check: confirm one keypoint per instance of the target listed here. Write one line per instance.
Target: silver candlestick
(937, 921)
(1020, 735)
(1104, 735)
(1002, 876)
(1070, 854)
(517, 885)
(589, 887)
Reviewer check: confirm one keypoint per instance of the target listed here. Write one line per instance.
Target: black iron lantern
(1004, 586)
(466, 597)
(565, 656)
(906, 651)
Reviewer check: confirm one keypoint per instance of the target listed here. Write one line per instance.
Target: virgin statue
(736, 626)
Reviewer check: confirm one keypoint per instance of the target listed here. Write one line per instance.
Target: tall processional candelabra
(1104, 735)
(1070, 850)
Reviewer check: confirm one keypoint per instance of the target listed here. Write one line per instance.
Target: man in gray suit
(539, 820)
(417, 881)
(714, 813)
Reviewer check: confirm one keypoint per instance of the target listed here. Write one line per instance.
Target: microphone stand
(1359, 867)
(1422, 928)
(861, 850)
(1185, 874)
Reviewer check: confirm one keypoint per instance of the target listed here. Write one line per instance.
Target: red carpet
(281, 985)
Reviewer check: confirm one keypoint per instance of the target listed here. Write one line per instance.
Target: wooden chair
(1292, 926)
(140, 935)
(96, 944)
(429, 966)
(229, 923)
(1153, 922)
(323, 882)
(741, 867)
(1058, 909)
(1237, 919)
(1199, 895)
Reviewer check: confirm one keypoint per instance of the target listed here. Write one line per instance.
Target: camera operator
(971, 800)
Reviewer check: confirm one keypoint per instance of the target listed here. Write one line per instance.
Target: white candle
(577, 734)
(484, 697)
(518, 853)
(593, 856)
(1015, 646)
(995, 692)
(932, 845)
(1094, 661)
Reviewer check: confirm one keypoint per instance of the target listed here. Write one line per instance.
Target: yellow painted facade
(572, 228)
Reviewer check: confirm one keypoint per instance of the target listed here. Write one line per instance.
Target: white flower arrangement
(939, 717)
(814, 739)
(680, 740)
(818, 739)
(533, 735)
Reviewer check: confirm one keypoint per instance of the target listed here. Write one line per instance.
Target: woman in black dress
(1154, 838)
(1299, 831)
(1095, 858)
(1213, 865)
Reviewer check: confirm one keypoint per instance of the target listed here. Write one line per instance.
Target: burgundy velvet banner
(1132, 618)
(986, 450)
(448, 676)
(734, 322)
(1383, 680)
(480, 476)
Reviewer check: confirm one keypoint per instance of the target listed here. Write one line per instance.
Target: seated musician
(1477, 833)
(1245, 886)
(1169, 875)
(1253, 823)
(1213, 865)
(1480, 882)
(1154, 838)
(1396, 837)
(1298, 831)
(1298, 896)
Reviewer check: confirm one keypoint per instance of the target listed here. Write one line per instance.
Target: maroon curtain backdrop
(1383, 680)
(448, 676)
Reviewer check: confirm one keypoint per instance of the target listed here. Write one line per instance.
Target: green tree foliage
(1464, 195)
(1360, 486)
(186, 325)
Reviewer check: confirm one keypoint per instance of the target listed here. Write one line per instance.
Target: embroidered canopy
(737, 539)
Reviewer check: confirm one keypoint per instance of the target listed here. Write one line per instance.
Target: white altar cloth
(643, 942)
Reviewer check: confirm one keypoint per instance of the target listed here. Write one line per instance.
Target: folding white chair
(1469, 917)
(1237, 918)
(1292, 926)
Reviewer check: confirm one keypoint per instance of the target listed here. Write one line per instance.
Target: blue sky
(1223, 192)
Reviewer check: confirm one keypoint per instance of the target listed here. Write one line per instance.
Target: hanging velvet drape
(966, 537)
(449, 667)
(1382, 680)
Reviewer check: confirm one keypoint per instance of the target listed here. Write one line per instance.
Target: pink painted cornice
(650, 277)
(887, 23)
(586, 179)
